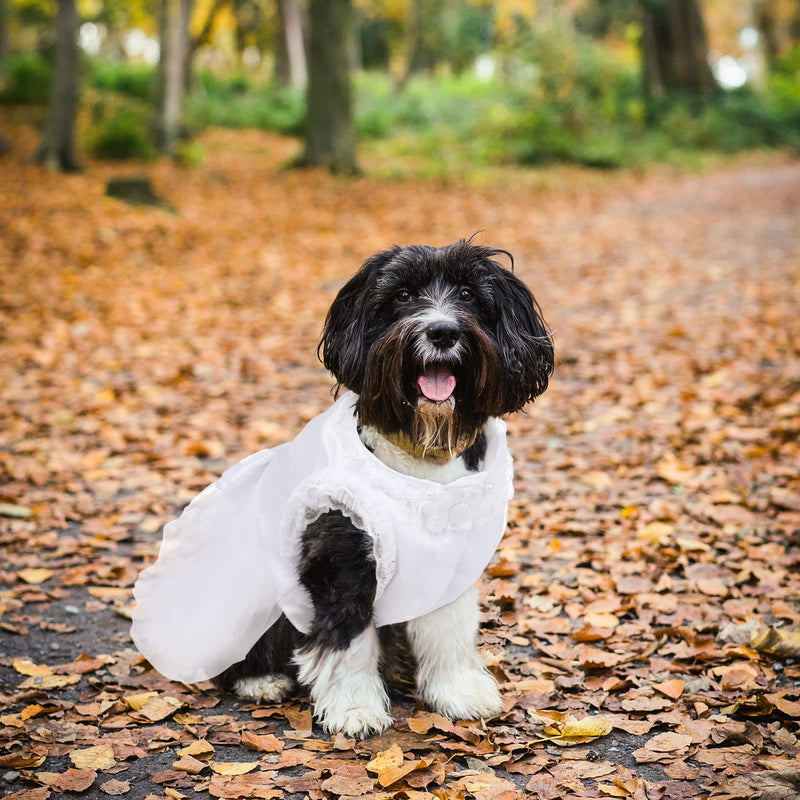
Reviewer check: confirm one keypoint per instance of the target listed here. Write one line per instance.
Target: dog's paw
(356, 708)
(357, 722)
(465, 694)
(263, 688)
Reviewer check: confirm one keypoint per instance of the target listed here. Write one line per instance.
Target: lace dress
(227, 567)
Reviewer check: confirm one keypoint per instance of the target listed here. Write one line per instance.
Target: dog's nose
(443, 334)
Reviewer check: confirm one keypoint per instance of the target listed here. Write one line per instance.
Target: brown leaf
(668, 742)
(190, 764)
(23, 759)
(115, 787)
(40, 793)
(672, 688)
(266, 743)
(350, 780)
(73, 780)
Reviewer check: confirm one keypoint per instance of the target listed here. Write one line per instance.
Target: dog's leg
(265, 675)
(339, 660)
(451, 675)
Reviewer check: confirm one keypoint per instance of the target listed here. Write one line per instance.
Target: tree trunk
(174, 16)
(674, 48)
(330, 131)
(290, 50)
(58, 143)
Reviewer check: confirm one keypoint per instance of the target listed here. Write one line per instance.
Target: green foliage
(234, 102)
(28, 78)
(133, 80)
(120, 132)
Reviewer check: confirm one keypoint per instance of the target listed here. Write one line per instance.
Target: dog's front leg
(451, 675)
(339, 660)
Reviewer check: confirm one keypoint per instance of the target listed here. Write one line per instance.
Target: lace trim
(328, 491)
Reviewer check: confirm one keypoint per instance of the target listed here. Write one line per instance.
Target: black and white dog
(434, 341)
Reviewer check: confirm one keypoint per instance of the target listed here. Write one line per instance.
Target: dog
(433, 343)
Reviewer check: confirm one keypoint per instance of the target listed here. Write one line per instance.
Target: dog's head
(434, 341)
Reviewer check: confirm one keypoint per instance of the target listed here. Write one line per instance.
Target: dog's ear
(344, 344)
(524, 339)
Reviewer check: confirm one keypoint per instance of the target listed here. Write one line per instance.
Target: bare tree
(290, 50)
(330, 130)
(675, 48)
(174, 16)
(58, 143)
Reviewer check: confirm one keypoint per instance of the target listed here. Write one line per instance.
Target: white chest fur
(398, 459)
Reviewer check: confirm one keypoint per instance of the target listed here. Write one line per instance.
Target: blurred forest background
(435, 86)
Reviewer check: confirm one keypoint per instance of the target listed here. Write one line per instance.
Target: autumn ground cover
(640, 610)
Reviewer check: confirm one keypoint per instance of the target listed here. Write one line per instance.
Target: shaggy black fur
(473, 456)
(338, 570)
(272, 653)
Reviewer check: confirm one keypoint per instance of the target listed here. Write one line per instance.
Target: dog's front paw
(356, 708)
(263, 688)
(356, 722)
(464, 694)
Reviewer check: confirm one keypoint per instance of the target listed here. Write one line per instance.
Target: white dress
(227, 567)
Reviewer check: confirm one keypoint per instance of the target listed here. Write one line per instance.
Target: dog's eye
(403, 296)
(466, 295)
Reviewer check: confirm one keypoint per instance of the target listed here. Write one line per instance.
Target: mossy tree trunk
(57, 149)
(174, 16)
(330, 129)
(674, 48)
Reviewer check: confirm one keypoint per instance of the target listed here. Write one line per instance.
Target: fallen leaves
(645, 595)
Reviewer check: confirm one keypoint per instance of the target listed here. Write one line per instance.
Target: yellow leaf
(49, 681)
(160, 708)
(15, 511)
(581, 729)
(599, 619)
(137, 701)
(25, 667)
(34, 575)
(628, 511)
(598, 479)
(199, 748)
(393, 757)
(776, 642)
(100, 757)
(233, 767)
(655, 533)
(35, 710)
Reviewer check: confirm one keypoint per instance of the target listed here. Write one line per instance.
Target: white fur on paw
(357, 722)
(465, 694)
(263, 688)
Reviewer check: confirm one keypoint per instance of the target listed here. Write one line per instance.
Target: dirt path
(657, 514)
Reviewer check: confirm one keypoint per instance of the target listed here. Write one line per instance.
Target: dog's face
(435, 340)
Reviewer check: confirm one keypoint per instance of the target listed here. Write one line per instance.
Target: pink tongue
(437, 384)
